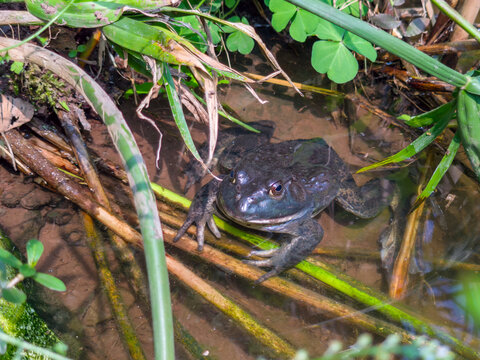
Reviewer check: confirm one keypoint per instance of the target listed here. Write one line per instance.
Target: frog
(281, 188)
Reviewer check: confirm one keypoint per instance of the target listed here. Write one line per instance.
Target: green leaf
(432, 116)
(64, 105)
(49, 281)
(34, 251)
(14, 295)
(357, 44)
(140, 89)
(145, 39)
(215, 32)
(9, 259)
(230, 3)
(27, 271)
(327, 31)
(282, 13)
(60, 348)
(334, 59)
(471, 292)
(177, 111)
(86, 14)
(17, 67)
(391, 44)
(415, 147)
(441, 169)
(303, 25)
(238, 41)
(468, 119)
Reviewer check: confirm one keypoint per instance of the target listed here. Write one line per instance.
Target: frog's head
(259, 197)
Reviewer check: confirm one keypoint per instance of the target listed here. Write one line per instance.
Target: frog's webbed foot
(200, 213)
(307, 236)
(365, 201)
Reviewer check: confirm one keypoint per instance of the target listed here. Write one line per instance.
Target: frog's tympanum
(280, 188)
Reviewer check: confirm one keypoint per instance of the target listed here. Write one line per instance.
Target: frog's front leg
(200, 213)
(306, 237)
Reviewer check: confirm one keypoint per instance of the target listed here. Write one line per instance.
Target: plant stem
(25, 345)
(18, 278)
(457, 18)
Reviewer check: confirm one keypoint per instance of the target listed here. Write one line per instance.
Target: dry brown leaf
(14, 112)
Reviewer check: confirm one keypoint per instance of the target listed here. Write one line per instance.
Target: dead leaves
(14, 112)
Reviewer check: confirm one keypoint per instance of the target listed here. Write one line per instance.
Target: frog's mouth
(254, 223)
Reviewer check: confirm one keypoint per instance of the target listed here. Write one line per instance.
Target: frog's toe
(213, 227)
(183, 229)
(263, 253)
(268, 275)
(200, 235)
(259, 263)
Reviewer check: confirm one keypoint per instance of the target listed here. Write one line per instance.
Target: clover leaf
(334, 59)
(237, 40)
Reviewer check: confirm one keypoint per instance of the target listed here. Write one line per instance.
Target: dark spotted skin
(280, 188)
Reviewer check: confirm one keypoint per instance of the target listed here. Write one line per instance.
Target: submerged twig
(399, 279)
(69, 188)
(229, 308)
(118, 307)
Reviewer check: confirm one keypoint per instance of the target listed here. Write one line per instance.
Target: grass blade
(441, 169)
(415, 147)
(177, 112)
(430, 117)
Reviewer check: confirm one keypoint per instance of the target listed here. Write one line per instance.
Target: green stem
(390, 43)
(457, 18)
(36, 349)
(232, 9)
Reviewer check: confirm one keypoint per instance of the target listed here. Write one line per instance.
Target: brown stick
(469, 12)
(399, 280)
(119, 310)
(69, 188)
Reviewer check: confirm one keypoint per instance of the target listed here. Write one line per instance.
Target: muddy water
(82, 315)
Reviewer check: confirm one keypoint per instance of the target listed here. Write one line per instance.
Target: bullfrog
(280, 188)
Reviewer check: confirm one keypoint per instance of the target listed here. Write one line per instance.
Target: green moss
(40, 86)
(21, 320)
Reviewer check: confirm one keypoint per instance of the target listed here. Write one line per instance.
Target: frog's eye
(232, 177)
(276, 189)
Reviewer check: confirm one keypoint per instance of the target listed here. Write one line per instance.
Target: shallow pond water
(449, 232)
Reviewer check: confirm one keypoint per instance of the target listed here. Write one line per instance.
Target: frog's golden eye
(276, 189)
